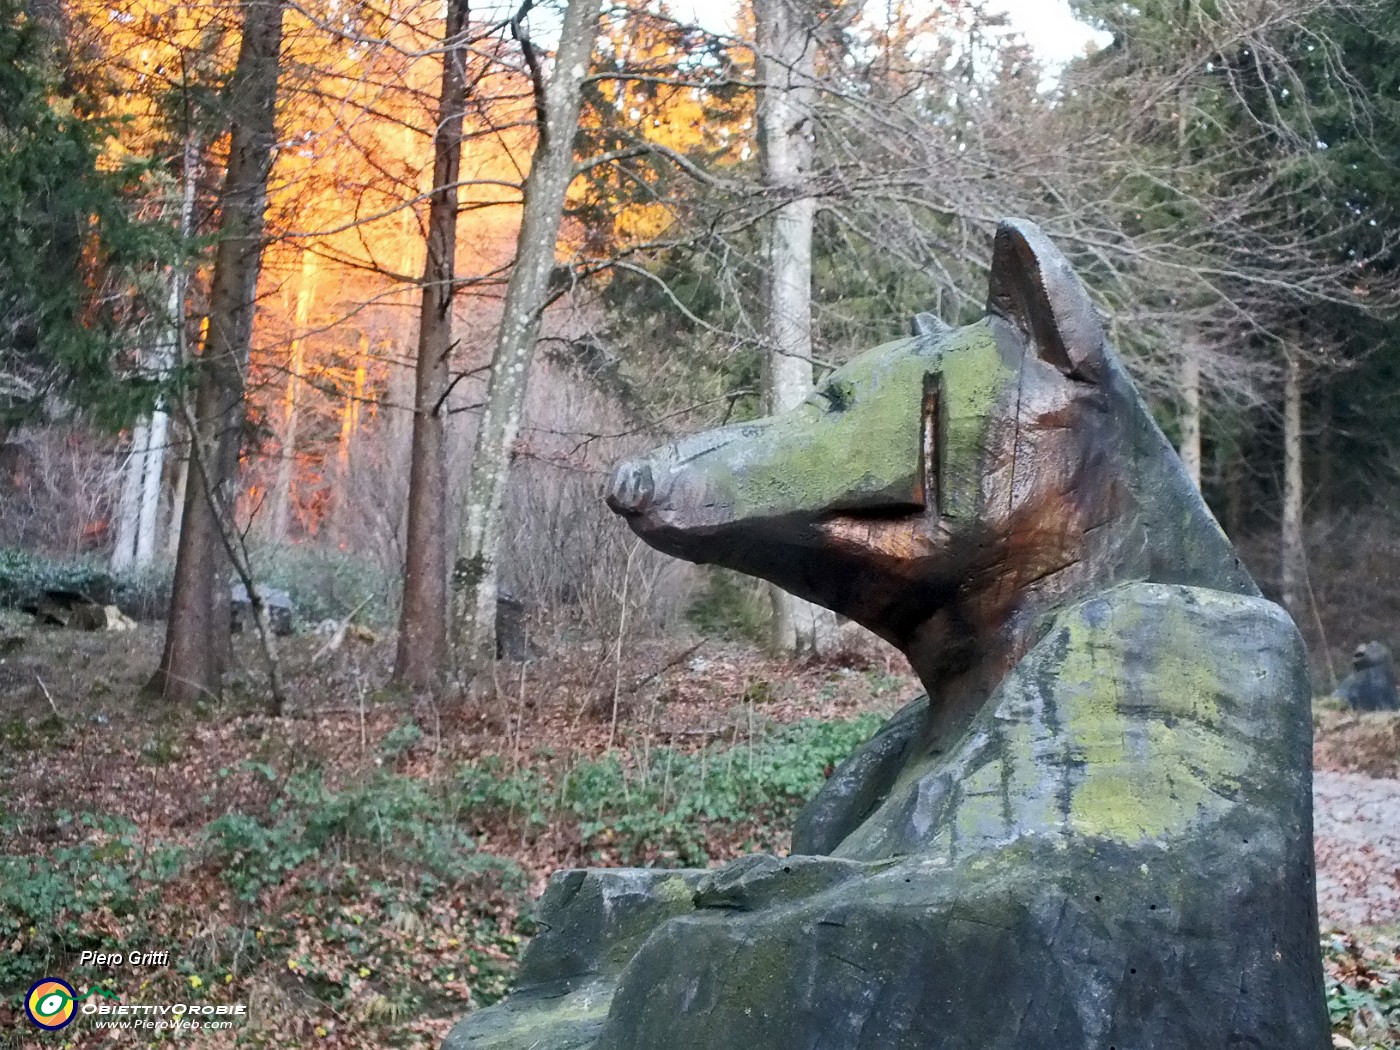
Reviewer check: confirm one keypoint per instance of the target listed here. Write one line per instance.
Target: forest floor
(1356, 827)
(360, 872)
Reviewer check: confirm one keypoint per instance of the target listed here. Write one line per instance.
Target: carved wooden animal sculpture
(1094, 831)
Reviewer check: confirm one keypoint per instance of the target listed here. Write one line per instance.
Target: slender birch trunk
(349, 427)
(157, 441)
(474, 576)
(1190, 449)
(291, 403)
(422, 642)
(173, 353)
(350, 412)
(787, 53)
(407, 305)
(179, 482)
(1190, 364)
(196, 636)
(145, 469)
(1294, 575)
(129, 505)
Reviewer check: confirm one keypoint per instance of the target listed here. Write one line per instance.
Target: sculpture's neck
(963, 654)
(960, 676)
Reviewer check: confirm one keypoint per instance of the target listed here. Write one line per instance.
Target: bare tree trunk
(158, 438)
(196, 635)
(1294, 581)
(179, 482)
(1190, 449)
(129, 505)
(474, 577)
(422, 641)
(1190, 364)
(787, 51)
(1324, 452)
(202, 462)
(350, 412)
(172, 353)
(398, 415)
(140, 505)
(291, 404)
(1234, 495)
(349, 427)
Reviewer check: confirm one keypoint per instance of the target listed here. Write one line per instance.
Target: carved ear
(1033, 287)
(927, 325)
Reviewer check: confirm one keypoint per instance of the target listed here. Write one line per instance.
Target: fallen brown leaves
(348, 948)
(1349, 742)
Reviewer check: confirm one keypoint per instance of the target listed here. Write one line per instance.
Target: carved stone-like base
(1116, 856)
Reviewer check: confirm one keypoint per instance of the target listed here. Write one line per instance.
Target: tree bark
(196, 636)
(474, 577)
(172, 353)
(157, 440)
(291, 404)
(787, 51)
(145, 469)
(1190, 449)
(350, 411)
(129, 504)
(1294, 575)
(1324, 452)
(422, 640)
(179, 484)
(1234, 495)
(349, 428)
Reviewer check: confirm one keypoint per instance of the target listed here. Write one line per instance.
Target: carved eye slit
(835, 397)
(930, 443)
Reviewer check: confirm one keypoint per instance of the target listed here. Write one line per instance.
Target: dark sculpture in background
(1093, 832)
(1371, 684)
(281, 614)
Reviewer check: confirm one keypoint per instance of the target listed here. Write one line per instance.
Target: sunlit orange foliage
(667, 96)
(337, 301)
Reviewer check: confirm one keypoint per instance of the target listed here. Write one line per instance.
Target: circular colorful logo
(51, 1003)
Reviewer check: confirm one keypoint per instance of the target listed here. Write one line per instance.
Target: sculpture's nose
(632, 489)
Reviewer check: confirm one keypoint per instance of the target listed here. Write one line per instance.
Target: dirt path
(1357, 826)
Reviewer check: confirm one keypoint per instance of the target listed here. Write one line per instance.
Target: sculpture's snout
(632, 489)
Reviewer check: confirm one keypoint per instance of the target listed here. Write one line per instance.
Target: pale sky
(1047, 25)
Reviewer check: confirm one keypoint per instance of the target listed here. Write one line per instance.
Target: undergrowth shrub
(1363, 989)
(143, 594)
(347, 889)
(387, 822)
(672, 807)
(325, 583)
(24, 577)
(322, 583)
(48, 901)
(374, 897)
(731, 606)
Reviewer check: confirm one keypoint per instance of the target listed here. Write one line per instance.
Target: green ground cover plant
(382, 896)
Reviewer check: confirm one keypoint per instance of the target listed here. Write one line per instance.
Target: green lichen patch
(832, 452)
(526, 1022)
(856, 442)
(1146, 731)
(1133, 720)
(974, 382)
